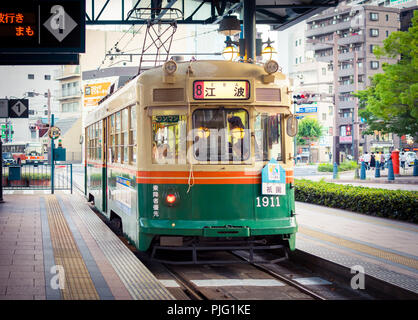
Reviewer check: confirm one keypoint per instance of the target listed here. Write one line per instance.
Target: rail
(37, 177)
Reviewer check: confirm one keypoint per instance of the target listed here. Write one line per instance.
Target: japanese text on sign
(17, 24)
(219, 89)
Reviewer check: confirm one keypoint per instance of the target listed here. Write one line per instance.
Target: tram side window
(124, 136)
(221, 135)
(268, 137)
(99, 140)
(168, 139)
(112, 138)
(118, 138)
(132, 135)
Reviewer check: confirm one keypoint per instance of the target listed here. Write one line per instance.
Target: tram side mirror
(292, 126)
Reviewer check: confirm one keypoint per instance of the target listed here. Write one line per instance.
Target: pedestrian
(372, 161)
(367, 159)
(382, 160)
(402, 158)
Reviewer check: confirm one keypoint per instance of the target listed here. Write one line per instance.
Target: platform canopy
(280, 14)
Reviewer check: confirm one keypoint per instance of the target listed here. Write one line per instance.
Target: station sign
(42, 26)
(14, 108)
(221, 90)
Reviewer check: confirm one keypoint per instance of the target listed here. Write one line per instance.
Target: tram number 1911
(268, 202)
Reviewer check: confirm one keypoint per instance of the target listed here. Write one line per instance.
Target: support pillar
(249, 29)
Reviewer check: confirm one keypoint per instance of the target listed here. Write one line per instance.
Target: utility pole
(49, 108)
(356, 131)
(335, 131)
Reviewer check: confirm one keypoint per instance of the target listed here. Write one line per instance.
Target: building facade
(359, 29)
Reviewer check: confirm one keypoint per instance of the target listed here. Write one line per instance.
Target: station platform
(55, 247)
(385, 248)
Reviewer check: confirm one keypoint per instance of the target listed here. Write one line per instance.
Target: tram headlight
(170, 67)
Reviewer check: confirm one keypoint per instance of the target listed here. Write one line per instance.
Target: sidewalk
(386, 249)
(55, 247)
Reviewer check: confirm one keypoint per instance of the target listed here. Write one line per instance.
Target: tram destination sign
(42, 26)
(221, 90)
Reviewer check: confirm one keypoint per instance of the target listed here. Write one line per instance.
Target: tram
(175, 158)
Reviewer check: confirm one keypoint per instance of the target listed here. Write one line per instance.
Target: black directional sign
(42, 26)
(18, 108)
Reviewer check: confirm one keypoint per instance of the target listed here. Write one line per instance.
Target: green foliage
(309, 128)
(345, 166)
(395, 204)
(390, 104)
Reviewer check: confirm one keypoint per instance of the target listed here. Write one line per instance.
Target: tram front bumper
(230, 228)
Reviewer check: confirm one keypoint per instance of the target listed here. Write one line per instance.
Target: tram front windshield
(221, 135)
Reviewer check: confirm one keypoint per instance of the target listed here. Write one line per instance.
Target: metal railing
(38, 177)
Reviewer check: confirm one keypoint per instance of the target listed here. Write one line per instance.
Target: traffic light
(304, 98)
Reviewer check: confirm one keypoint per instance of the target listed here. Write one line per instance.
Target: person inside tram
(202, 147)
(237, 147)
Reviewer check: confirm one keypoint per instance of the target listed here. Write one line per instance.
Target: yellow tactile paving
(78, 283)
(409, 262)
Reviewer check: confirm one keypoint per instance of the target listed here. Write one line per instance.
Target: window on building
(387, 17)
(330, 110)
(374, 32)
(387, 33)
(31, 94)
(324, 116)
(324, 71)
(374, 16)
(296, 43)
(300, 41)
(296, 61)
(330, 89)
(70, 107)
(47, 77)
(374, 65)
(372, 46)
(31, 76)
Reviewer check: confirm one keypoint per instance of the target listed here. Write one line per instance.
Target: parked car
(410, 158)
(8, 159)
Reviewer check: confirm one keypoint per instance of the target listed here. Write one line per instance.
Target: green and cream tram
(175, 157)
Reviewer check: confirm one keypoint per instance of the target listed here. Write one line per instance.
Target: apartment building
(358, 29)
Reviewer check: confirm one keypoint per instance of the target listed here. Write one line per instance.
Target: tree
(308, 130)
(390, 103)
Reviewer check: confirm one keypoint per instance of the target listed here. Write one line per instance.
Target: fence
(38, 177)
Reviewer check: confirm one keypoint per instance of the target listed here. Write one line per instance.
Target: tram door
(104, 165)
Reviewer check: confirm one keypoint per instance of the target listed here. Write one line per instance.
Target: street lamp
(234, 49)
